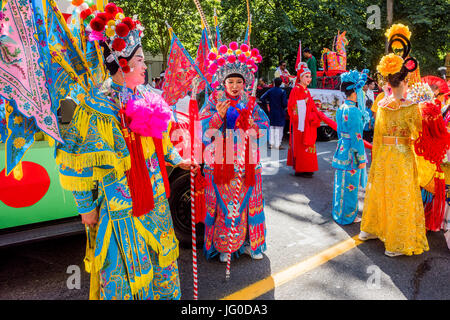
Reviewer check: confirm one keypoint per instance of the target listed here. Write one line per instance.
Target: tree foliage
(278, 25)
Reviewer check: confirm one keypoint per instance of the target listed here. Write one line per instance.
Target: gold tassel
(18, 171)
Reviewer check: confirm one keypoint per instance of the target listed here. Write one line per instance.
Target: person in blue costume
(350, 159)
(233, 75)
(132, 249)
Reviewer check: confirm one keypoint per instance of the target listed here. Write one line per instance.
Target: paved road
(299, 226)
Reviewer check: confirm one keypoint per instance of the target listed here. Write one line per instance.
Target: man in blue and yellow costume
(113, 160)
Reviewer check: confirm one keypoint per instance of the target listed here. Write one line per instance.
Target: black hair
(281, 62)
(369, 81)
(277, 82)
(307, 50)
(113, 67)
(395, 79)
(347, 92)
(234, 75)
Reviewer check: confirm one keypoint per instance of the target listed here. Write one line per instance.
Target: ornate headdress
(399, 47)
(122, 34)
(234, 59)
(302, 69)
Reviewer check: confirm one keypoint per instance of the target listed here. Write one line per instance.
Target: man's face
(283, 66)
(138, 69)
(372, 86)
(306, 54)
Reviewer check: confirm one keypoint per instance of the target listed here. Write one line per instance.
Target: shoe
(363, 236)
(447, 238)
(249, 251)
(308, 175)
(281, 148)
(223, 257)
(393, 254)
(357, 219)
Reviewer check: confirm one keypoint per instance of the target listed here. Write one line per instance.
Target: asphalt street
(299, 227)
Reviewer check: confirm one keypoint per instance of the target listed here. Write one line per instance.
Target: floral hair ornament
(396, 32)
(120, 33)
(233, 59)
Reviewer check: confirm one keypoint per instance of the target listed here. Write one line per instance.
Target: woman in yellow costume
(393, 209)
(113, 160)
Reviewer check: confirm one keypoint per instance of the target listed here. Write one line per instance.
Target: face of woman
(234, 86)
(138, 69)
(306, 79)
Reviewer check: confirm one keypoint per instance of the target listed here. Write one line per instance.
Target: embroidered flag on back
(180, 73)
(202, 59)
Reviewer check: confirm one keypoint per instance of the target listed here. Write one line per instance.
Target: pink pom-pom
(242, 58)
(213, 68)
(215, 84)
(244, 47)
(212, 56)
(221, 61)
(259, 58)
(231, 59)
(223, 49)
(234, 46)
(255, 52)
(149, 116)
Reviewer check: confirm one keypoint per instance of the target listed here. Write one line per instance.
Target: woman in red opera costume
(305, 120)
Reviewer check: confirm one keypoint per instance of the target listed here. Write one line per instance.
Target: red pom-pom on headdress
(97, 24)
(111, 9)
(119, 44)
(122, 30)
(129, 22)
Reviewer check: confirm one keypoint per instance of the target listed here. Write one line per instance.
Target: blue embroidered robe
(250, 223)
(350, 153)
(128, 257)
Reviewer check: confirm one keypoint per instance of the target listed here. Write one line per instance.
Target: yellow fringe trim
(141, 282)
(165, 259)
(76, 183)
(93, 263)
(93, 159)
(148, 147)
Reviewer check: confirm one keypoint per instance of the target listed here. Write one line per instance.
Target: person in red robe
(302, 154)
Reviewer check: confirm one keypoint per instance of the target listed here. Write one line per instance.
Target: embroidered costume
(132, 252)
(350, 153)
(224, 144)
(302, 155)
(393, 209)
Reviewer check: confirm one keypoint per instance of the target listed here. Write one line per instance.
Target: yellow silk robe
(393, 208)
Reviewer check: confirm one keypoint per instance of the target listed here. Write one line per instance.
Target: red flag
(179, 75)
(202, 59)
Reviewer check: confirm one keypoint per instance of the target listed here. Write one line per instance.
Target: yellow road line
(261, 287)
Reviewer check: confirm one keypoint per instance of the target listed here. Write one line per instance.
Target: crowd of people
(117, 147)
(235, 216)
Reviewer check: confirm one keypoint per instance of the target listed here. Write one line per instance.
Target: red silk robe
(302, 154)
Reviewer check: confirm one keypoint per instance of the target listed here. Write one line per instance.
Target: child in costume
(350, 156)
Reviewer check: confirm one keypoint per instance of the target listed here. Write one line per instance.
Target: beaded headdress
(234, 59)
